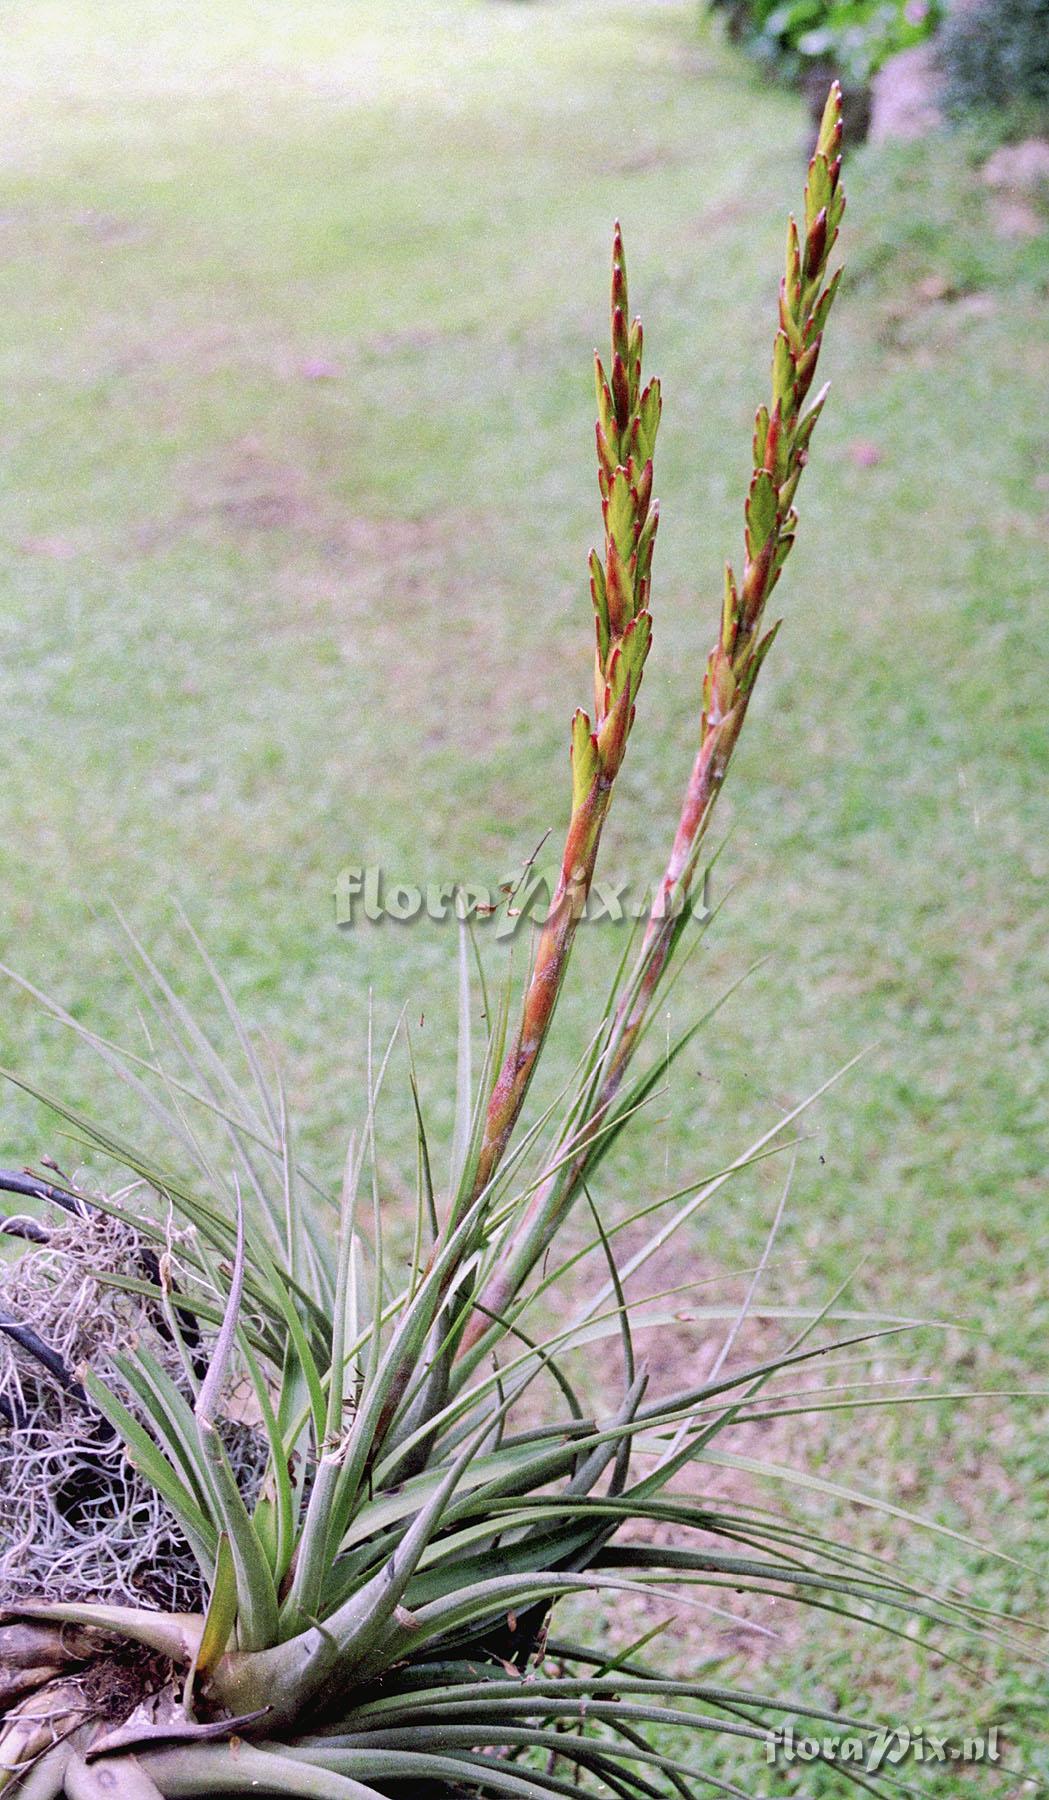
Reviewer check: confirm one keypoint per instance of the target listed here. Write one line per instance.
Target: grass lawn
(296, 492)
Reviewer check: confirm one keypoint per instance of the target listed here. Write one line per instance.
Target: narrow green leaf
(221, 1615)
(256, 1595)
(463, 1070)
(144, 1455)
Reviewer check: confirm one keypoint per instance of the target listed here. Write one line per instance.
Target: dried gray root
(76, 1521)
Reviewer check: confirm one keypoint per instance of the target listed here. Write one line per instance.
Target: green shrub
(996, 54)
(853, 36)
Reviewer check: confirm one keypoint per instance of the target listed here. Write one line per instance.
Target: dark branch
(19, 1182)
(21, 1226)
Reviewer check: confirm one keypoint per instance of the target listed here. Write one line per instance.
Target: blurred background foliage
(855, 37)
(996, 56)
(993, 55)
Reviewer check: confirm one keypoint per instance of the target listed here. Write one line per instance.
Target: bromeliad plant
(287, 1527)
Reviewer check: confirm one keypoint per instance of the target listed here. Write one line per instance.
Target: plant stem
(782, 435)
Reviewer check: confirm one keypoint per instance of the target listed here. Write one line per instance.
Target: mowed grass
(296, 492)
